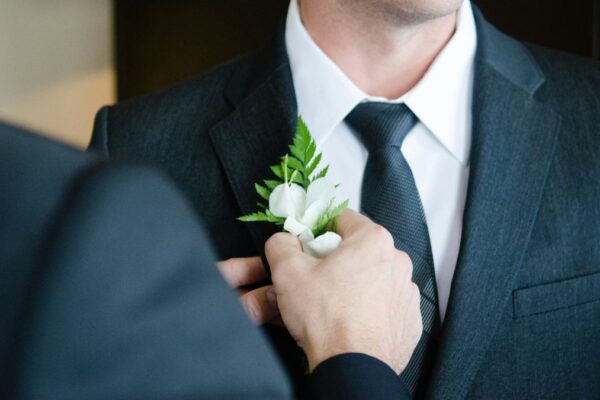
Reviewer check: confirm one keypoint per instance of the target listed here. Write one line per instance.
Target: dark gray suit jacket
(108, 288)
(524, 314)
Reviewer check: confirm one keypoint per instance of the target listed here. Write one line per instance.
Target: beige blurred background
(56, 63)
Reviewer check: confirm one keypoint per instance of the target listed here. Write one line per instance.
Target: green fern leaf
(254, 217)
(262, 191)
(262, 217)
(329, 217)
(277, 171)
(310, 152)
(296, 151)
(272, 184)
(320, 174)
(296, 164)
(313, 165)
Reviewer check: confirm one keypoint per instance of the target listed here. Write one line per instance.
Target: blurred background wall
(162, 42)
(56, 65)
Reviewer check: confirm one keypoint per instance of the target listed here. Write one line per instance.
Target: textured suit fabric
(524, 311)
(109, 289)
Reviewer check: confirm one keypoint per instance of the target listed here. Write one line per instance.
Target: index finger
(349, 222)
(240, 272)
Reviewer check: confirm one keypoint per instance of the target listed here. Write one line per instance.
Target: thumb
(281, 248)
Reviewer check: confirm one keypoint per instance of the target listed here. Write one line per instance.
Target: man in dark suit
(110, 291)
(108, 288)
(503, 141)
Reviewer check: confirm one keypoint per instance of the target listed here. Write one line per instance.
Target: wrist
(324, 348)
(319, 351)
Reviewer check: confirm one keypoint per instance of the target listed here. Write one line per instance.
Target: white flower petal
(325, 244)
(305, 238)
(313, 212)
(321, 189)
(295, 227)
(287, 201)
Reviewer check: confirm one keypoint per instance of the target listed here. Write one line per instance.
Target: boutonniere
(300, 197)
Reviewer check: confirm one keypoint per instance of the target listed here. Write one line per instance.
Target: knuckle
(275, 241)
(406, 262)
(416, 291)
(418, 329)
(382, 237)
(271, 243)
(406, 258)
(415, 295)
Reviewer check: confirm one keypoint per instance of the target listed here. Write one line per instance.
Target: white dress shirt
(437, 148)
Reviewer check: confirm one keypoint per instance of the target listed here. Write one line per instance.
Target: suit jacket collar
(259, 129)
(508, 57)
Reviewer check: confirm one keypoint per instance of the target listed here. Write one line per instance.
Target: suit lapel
(259, 129)
(514, 136)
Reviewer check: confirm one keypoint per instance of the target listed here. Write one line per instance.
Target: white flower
(302, 211)
(324, 245)
(287, 200)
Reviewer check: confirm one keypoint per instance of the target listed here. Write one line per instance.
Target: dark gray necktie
(390, 198)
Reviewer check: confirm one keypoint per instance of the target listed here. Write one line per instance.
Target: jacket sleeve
(355, 376)
(132, 306)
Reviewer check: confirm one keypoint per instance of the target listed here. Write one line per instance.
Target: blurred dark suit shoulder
(35, 177)
(109, 288)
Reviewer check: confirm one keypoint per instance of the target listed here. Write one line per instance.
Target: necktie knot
(381, 125)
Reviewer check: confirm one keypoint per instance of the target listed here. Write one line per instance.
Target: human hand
(260, 303)
(360, 299)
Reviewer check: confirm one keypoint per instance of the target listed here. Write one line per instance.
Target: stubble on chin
(401, 12)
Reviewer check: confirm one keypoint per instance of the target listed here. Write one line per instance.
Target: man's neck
(383, 58)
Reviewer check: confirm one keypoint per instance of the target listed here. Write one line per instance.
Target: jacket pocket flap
(556, 295)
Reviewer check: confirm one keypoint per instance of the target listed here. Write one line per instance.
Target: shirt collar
(441, 100)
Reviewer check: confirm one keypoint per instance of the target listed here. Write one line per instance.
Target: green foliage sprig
(300, 166)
